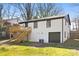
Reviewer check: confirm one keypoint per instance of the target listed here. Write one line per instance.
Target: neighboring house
(54, 29)
(13, 21)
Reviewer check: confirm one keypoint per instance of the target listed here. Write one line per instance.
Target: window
(41, 41)
(48, 23)
(35, 24)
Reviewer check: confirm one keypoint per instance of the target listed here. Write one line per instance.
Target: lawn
(16, 50)
(69, 48)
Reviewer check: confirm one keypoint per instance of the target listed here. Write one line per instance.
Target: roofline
(46, 18)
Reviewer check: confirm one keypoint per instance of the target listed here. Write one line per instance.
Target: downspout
(62, 30)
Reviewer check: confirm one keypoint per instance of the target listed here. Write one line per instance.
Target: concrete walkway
(4, 41)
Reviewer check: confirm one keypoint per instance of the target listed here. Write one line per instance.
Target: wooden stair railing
(23, 32)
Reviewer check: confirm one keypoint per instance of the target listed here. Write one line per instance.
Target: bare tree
(47, 9)
(76, 14)
(76, 21)
(34, 10)
(9, 11)
(1, 7)
(26, 10)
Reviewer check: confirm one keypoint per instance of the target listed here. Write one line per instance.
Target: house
(12, 21)
(54, 29)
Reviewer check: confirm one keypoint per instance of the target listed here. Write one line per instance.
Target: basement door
(54, 37)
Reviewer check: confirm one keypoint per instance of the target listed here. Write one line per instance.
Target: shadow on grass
(69, 44)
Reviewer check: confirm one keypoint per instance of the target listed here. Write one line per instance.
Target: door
(54, 37)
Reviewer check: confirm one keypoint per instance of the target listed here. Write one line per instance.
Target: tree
(10, 11)
(47, 9)
(1, 7)
(34, 10)
(26, 10)
(76, 22)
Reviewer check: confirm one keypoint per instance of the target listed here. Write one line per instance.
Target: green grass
(15, 50)
(69, 48)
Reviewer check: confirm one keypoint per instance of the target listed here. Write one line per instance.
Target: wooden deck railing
(23, 32)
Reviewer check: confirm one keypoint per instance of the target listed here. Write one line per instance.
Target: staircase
(19, 33)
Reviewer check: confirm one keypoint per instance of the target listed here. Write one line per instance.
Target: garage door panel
(54, 37)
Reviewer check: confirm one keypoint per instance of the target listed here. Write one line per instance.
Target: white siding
(66, 28)
(42, 32)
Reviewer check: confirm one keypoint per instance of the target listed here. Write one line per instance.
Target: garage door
(54, 37)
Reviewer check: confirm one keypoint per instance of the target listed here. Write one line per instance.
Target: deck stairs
(19, 33)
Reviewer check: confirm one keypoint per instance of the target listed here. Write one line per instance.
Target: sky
(71, 9)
